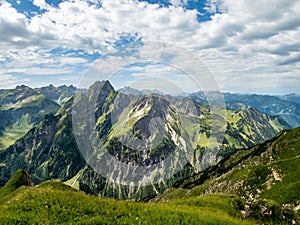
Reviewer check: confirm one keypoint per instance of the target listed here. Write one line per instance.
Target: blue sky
(248, 47)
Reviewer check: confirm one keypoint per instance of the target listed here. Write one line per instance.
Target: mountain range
(285, 106)
(70, 141)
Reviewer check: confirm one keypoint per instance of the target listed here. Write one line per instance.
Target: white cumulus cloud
(243, 40)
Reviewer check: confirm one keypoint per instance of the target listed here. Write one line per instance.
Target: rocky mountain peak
(98, 85)
(153, 112)
(99, 90)
(158, 105)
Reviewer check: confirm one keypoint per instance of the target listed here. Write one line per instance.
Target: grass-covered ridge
(53, 202)
(19, 179)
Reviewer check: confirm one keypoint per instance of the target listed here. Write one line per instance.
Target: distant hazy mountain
(59, 94)
(49, 150)
(132, 91)
(292, 98)
(289, 111)
(285, 107)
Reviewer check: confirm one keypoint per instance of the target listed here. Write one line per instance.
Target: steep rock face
(103, 92)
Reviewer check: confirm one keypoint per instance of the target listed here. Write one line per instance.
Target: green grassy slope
(19, 179)
(53, 202)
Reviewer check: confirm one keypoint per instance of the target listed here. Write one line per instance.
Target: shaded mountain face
(265, 177)
(20, 110)
(47, 151)
(126, 146)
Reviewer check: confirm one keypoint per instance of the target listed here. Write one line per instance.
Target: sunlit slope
(53, 202)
